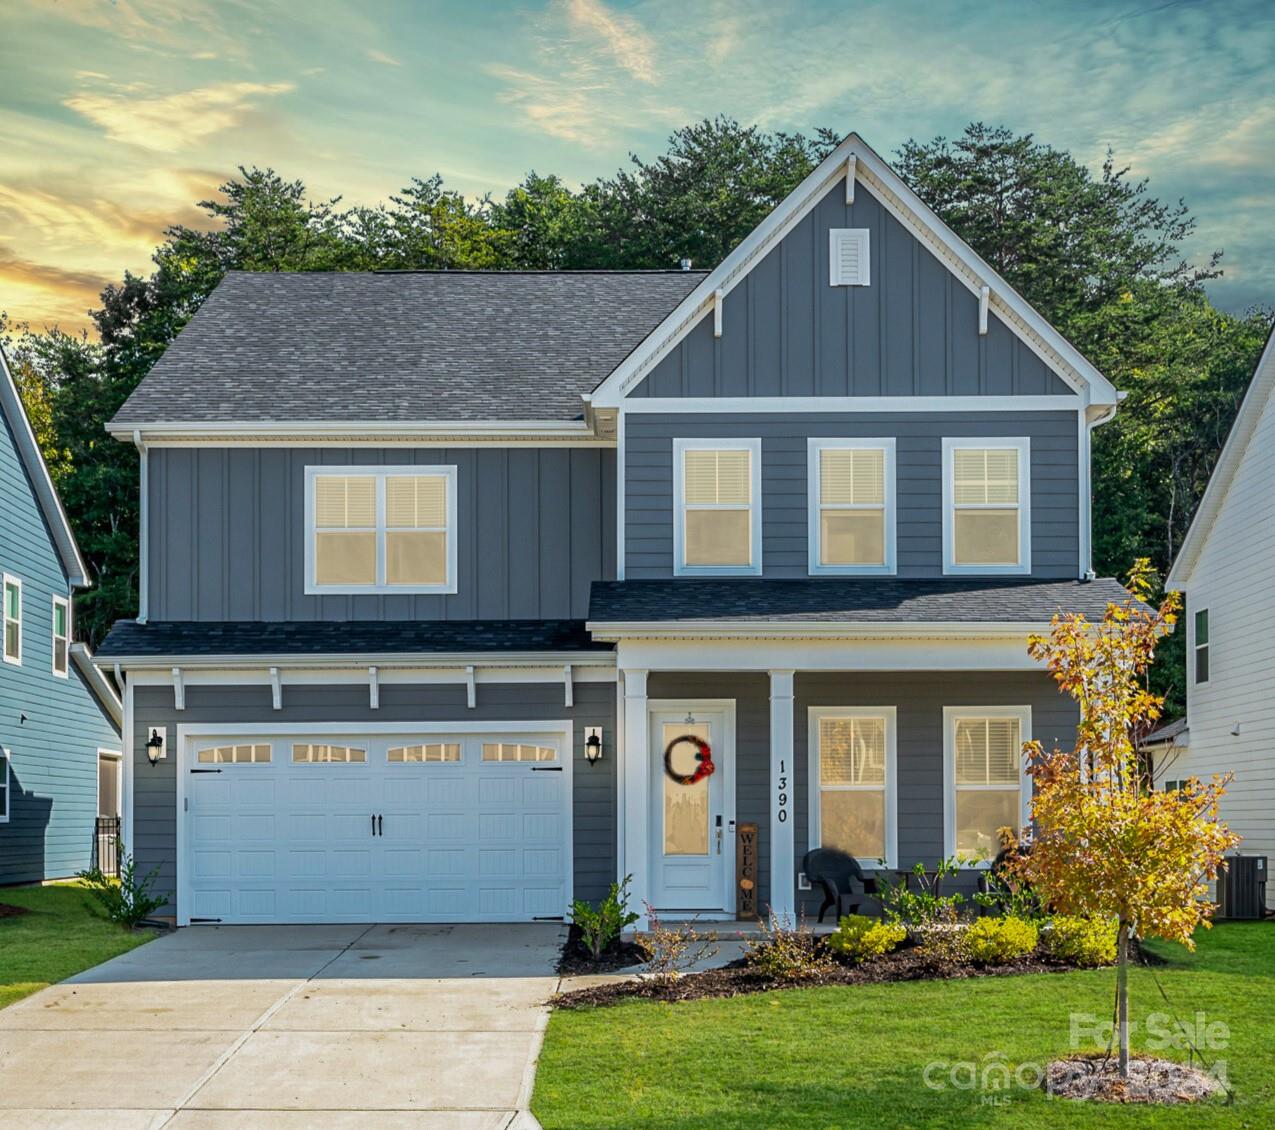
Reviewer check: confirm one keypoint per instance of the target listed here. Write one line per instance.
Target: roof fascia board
(364, 431)
(1255, 401)
(850, 629)
(77, 573)
(1055, 350)
(98, 683)
(434, 660)
(774, 404)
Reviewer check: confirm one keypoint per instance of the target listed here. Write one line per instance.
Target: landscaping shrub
(786, 954)
(998, 941)
(671, 950)
(926, 905)
(126, 900)
(1080, 941)
(859, 938)
(601, 926)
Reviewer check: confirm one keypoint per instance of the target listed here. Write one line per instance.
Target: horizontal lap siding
(53, 752)
(535, 528)
(919, 469)
(593, 801)
(913, 332)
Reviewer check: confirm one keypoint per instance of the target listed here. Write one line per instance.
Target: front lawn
(857, 1055)
(64, 933)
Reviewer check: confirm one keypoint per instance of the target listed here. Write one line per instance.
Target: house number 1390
(782, 814)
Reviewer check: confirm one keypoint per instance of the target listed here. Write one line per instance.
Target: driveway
(228, 1027)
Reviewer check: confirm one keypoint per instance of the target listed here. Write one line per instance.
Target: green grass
(855, 1055)
(64, 933)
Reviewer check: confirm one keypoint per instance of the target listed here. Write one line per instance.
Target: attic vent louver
(848, 258)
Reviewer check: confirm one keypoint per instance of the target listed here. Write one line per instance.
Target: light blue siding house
(59, 717)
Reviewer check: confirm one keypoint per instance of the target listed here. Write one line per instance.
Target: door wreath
(703, 755)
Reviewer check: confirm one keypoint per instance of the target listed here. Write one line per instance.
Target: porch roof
(846, 601)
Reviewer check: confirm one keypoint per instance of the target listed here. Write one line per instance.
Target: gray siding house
(60, 750)
(465, 594)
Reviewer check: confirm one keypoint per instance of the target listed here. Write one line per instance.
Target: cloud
(45, 276)
(630, 46)
(382, 58)
(171, 122)
(46, 295)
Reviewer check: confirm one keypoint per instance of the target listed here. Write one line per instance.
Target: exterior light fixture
(155, 746)
(593, 744)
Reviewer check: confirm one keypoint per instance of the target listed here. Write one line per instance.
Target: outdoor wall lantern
(155, 746)
(593, 744)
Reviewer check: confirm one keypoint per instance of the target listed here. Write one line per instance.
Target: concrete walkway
(230, 1027)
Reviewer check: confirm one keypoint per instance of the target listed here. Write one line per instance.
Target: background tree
(1105, 844)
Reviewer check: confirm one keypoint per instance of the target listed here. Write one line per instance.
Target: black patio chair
(833, 872)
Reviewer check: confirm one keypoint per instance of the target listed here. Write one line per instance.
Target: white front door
(692, 820)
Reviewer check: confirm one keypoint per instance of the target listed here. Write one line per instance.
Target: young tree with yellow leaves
(1104, 842)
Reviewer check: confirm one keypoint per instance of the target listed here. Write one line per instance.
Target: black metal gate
(106, 845)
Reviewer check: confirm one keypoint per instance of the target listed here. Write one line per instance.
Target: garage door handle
(374, 823)
(546, 768)
(380, 825)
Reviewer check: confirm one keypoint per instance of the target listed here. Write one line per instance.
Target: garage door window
(304, 752)
(433, 751)
(234, 755)
(518, 751)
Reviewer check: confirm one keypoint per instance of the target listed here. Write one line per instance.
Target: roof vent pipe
(686, 264)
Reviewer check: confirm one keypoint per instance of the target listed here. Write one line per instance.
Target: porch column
(637, 822)
(782, 874)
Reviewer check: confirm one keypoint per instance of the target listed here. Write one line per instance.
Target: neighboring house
(1226, 568)
(60, 750)
(413, 541)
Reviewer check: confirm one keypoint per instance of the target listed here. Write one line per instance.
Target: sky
(116, 116)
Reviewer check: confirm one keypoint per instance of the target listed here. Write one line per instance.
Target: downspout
(1092, 419)
(143, 528)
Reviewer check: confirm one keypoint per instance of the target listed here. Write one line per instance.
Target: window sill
(380, 590)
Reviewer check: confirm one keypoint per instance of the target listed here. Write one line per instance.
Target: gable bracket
(568, 686)
(276, 689)
(179, 689)
(984, 298)
(718, 301)
(852, 163)
(471, 690)
(373, 689)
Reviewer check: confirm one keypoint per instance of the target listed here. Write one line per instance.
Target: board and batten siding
(912, 332)
(53, 752)
(1234, 578)
(1055, 482)
(346, 707)
(535, 527)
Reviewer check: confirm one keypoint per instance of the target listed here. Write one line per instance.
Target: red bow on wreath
(703, 755)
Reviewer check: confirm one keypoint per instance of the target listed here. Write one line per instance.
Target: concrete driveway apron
(228, 1027)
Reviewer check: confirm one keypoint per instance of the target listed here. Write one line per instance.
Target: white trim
(861, 236)
(675, 630)
(851, 162)
(680, 448)
(179, 690)
(814, 787)
(129, 745)
(984, 300)
(769, 405)
(1260, 390)
(718, 303)
(394, 667)
(1021, 444)
(633, 795)
(620, 502)
(901, 202)
(99, 684)
(951, 714)
(118, 758)
(46, 495)
(143, 528)
(188, 733)
(783, 793)
(65, 603)
(814, 506)
(380, 474)
(346, 433)
(5, 754)
(7, 579)
(1193, 646)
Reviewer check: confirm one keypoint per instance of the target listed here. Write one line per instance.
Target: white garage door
(342, 826)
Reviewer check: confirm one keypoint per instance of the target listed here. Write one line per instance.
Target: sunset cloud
(622, 35)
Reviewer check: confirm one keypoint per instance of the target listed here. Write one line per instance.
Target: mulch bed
(737, 979)
(7, 910)
(1151, 1080)
(576, 957)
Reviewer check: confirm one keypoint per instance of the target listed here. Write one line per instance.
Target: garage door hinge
(546, 768)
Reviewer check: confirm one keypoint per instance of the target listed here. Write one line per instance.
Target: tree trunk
(1122, 996)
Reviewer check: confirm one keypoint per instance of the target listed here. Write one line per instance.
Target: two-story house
(60, 752)
(1226, 567)
(464, 594)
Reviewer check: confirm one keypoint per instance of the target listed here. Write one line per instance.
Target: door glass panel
(313, 753)
(234, 755)
(518, 751)
(430, 751)
(686, 807)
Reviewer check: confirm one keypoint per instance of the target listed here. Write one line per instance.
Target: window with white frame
(852, 763)
(718, 521)
(381, 529)
(61, 634)
(4, 785)
(1202, 646)
(12, 608)
(985, 778)
(851, 491)
(986, 506)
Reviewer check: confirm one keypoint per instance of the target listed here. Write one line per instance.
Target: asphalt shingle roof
(403, 346)
(825, 600)
(128, 638)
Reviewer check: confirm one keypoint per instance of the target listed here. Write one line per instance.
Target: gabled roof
(98, 683)
(46, 496)
(855, 157)
(382, 347)
(1255, 400)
